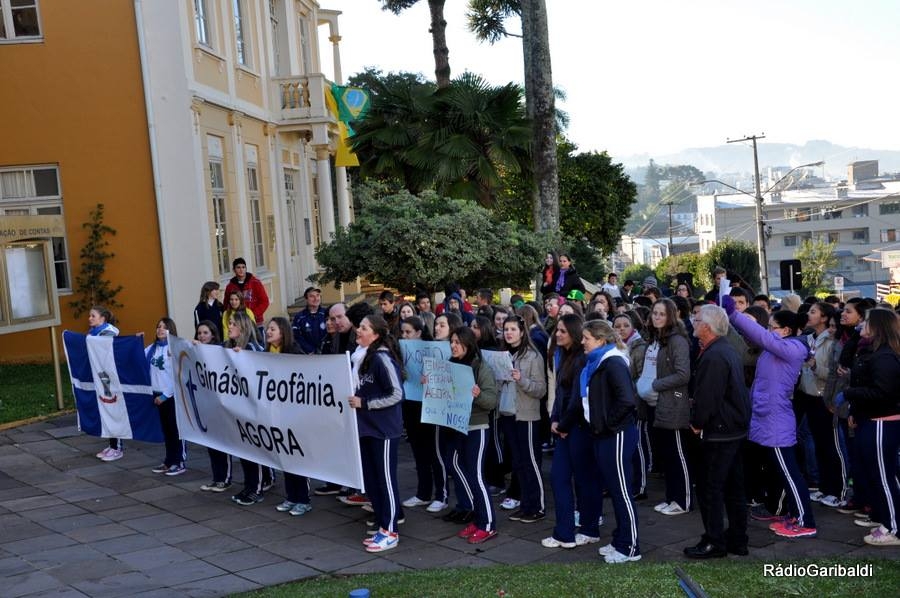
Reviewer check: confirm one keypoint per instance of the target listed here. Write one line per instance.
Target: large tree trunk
(539, 100)
(439, 41)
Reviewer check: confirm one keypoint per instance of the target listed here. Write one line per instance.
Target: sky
(658, 76)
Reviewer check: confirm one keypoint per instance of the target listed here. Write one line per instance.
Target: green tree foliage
(459, 140)
(697, 265)
(595, 197)
(426, 241)
(637, 273)
(589, 261)
(817, 257)
(738, 257)
(91, 287)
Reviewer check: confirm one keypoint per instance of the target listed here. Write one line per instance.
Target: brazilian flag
(352, 102)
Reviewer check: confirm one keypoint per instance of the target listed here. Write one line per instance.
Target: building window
(19, 20)
(256, 220)
(290, 196)
(201, 20)
(889, 207)
(790, 240)
(861, 234)
(861, 211)
(834, 237)
(35, 192)
(888, 235)
(803, 214)
(219, 206)
(241, 34)
(831, 213)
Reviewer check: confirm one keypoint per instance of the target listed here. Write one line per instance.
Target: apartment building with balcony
(200, 124)
(861, 219)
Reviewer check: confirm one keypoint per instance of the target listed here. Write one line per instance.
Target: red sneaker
(777, 525)
(792, 530)
(467, 531)
(357, 500)
(481, 536)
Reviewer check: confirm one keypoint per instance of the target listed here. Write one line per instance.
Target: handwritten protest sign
(447, 398)
(500, 363)
(413, 352)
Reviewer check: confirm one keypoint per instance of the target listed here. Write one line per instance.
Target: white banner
(286, 411)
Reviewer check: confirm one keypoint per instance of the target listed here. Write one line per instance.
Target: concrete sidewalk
(71, 525)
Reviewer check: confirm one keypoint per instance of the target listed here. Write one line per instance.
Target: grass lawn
(731, 578)
(28, 391)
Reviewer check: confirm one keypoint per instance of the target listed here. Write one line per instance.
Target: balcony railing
(300, 98)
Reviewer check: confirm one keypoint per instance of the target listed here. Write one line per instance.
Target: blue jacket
(309, 329)
(772, 421)
(568, 412)
(381, 391)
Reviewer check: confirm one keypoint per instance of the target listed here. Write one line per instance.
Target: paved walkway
(73, 526)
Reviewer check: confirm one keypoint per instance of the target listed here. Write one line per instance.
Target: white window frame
(7, 23)
(27, 202)
(219, 203)
(290, 199)
(203, 22)
(257, 227)
(243, 44)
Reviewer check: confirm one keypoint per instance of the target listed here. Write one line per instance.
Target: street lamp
(761, 235)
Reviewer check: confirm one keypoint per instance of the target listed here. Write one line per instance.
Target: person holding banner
(377, 401)
(241, 337)
(102, 323)
(280, 339)
(521, 429)
(162, 380)
(234, 303)
(471, 447)
(219, 462)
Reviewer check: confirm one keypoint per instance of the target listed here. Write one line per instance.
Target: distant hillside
(738, 158)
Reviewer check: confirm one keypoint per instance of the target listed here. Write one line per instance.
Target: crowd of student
(708, 392)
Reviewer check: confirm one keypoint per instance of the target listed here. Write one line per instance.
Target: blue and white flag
(111, 382)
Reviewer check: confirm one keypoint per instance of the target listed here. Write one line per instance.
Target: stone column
(326, 200)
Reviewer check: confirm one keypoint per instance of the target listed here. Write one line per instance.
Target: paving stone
(156, 522)
(224, 585)
(248, 558)
(136, 510)
(22, 530)
(208, 511)
(126, 544)
(161, 593)
(278, 573)
(237, 520)
(152, 495)
(381, 563)
(34, 582)
(14, 566)
(183, 572)
(41, 501)
(151, 558)
(50, 513)
(67, 524)
(85, 493)
(66, 554)
(126, 584)
(64, 432)
(89, 570)
(182, 533)
(320, 553)
(204, 547)
(17, 490)
(38, 544)
(99, 532)
(107, 503)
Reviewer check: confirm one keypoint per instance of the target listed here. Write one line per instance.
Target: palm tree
(486, 18)
(438, 35)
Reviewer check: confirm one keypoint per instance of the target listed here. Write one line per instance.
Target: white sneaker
(581, 539)
(285, 506)
(606, 550)
(552, 542)
(600, 521)
(618, 557)
(103, 453)
(368, 508)
(673, 509)
(436, 506)
(832, 501)
(414, 501)
(658, 508)
(112, 455)
(816, 496)
(510, 504)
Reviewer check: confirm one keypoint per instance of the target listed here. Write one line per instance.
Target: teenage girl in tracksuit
(101, 322)
(472, 446)
(573, 456)
(162, 381)
(220, 463)
(607, 397)
(380, 423)
(521, 429)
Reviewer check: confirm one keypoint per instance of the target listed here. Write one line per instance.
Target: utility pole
(671, 245)
(760, 223)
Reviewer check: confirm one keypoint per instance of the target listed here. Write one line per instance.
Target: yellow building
(200, 124)
(75, 135)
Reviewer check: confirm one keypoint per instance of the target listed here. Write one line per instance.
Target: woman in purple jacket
(772, 421)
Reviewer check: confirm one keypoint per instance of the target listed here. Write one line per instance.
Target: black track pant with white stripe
(878, 444)
(614, 455)
(379, 464)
